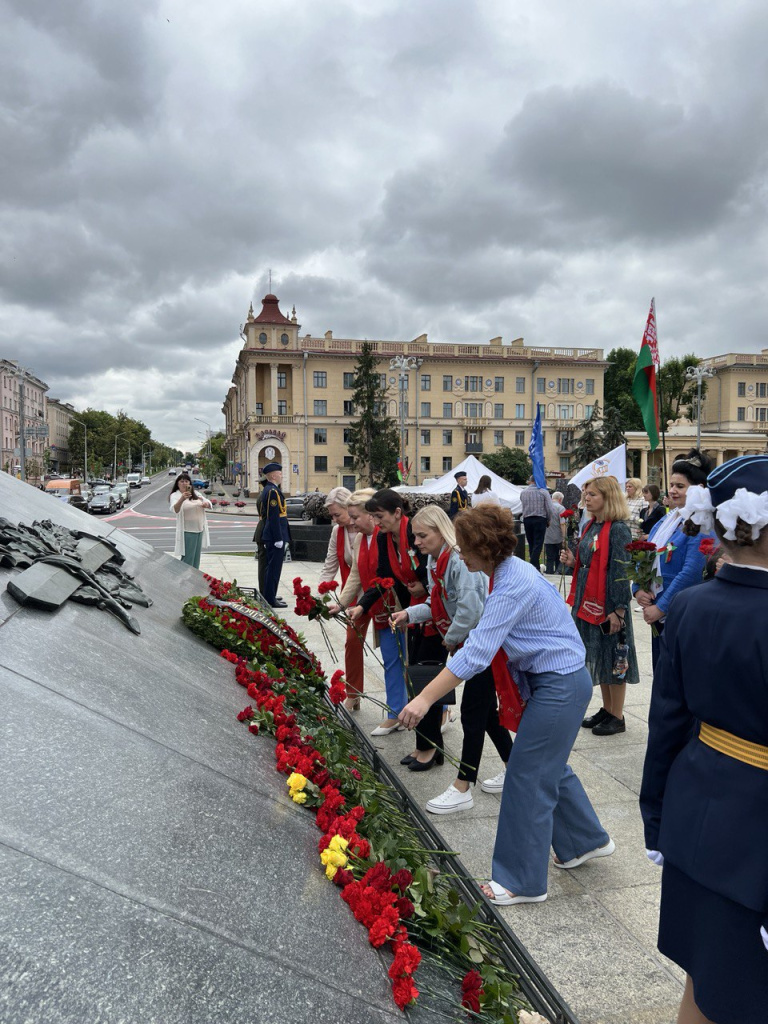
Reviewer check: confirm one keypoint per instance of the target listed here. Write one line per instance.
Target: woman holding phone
(191, 524)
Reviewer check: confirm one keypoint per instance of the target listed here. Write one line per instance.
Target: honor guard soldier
(459, 496)
(274, 534)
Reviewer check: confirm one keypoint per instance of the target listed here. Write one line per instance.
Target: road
(149, 518)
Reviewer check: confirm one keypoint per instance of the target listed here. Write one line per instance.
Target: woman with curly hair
(527, 636)
(704, 795)
(600, 596)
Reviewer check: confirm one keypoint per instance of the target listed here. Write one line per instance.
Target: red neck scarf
(511, 706)
(592, 608)
(367, 563)
(400, 560)
(341, 533)
(440, 615)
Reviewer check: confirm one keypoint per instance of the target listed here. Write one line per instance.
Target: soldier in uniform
(459, 496)
(272, 534)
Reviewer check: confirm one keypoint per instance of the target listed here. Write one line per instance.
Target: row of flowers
(369, 847)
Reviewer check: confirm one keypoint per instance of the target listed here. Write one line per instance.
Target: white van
(133, 479)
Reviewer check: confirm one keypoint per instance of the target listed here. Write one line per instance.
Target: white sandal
(501, 898)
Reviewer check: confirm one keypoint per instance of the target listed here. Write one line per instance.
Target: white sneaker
(496, 784)
(451, 800)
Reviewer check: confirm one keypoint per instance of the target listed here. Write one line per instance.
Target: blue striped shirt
(526, 615)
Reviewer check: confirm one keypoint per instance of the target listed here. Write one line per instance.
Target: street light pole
(114, 461)
(143, 464)
(698, 373)
(404, 364)
(85, 447)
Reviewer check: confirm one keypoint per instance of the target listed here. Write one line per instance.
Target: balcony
(473, 448)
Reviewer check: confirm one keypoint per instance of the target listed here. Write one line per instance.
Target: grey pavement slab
(595, 937)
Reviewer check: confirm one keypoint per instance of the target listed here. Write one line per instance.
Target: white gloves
(279, 543)
(655, 858)
(764, 937)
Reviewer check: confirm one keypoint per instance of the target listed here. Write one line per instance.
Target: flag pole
(663, 436)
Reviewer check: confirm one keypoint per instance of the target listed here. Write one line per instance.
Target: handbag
(421, 673)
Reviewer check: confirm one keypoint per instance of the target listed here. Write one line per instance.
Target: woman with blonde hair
(455, 604)
(362, 529)
(633, 490)
(600, 596)
(529, 640)
(338, 558)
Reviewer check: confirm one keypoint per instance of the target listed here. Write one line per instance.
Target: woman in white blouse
(191, 525)
(483, 493)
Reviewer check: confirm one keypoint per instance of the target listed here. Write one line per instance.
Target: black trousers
(553, 558)
(428, 648)
(535, 529)
(480, 715)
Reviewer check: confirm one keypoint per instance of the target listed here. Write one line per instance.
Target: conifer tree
(374, 442)
(589, 445)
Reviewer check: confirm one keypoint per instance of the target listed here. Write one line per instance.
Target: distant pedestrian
(633, 489)
(274, 535)
(653, 510)
(191, 524)
(553, 538)
(538, 512)
(484, 494)
(459, 496)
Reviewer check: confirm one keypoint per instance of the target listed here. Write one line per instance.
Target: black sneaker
(596, 719)
(610, 726)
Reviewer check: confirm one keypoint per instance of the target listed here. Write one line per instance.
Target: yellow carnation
(296, 782)
(299, 798)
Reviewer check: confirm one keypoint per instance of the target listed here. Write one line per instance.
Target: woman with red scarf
(600, 596)
(406, 567)
(456, 601)
(338, 563)
(527, 634)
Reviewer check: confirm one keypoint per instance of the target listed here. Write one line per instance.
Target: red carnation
(253, 727)
(472, 991)
(707, 546)
(245, 714)
(404, 908)
(402, 879)
(404, 991)
(327, 587)
(343, 878)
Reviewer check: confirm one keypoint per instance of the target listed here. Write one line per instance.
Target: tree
(618, 387)
(374, 439)
(675, 390)
(613, 429)
(511, 463)
(589, 445)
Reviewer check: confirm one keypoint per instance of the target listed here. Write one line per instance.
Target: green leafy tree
(618, 387)
(589, 443)
(613, 428)
(675, 390)
(216, 462)
(511, 463)
(374, 439)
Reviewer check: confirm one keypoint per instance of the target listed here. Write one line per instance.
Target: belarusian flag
(644, 382)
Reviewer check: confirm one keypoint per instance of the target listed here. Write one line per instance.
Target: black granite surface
(152, 868)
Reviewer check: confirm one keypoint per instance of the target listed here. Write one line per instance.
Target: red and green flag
(644, 382)
(400, 470)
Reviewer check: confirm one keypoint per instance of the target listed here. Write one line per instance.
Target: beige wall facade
(291, 400)
(59, 415)
(12, 377)
(737, 396)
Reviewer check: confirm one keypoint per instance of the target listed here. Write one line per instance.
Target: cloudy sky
(464, 168)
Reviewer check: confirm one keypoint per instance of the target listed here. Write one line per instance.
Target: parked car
(124, 491)
(98, 482)
(294, 505)
(72, 492)
(103, 503)
(200, 484)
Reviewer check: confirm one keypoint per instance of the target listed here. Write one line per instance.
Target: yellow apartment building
(291, 401)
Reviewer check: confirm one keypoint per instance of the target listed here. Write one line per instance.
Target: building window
(473, 409)
(520, 411)
(349, 407)
(590, 385)
(320, 406)
(447, 437)
(405, 408)
(426, 437)
(258, 408)
(742, 393)
(447, 382)
(426, 463)
(349, 482)
(426, 382)
(565, 412)
(426, 409)
(262, 338)
(383, 381)
(448, 410)
(321, 435)
(284, 339)
(321, 463)
(498, 411)
(349, 381)
(282, 407)
(741, 414)
(447, 463)
(565, 463)
(282, 379)
(473, 383)
(498, 437)
(541, 385)
(320, 379)
(761, 390)
(761, 414)
(520, 438)
(565, 386)
(498, 384)
(347, 435)
(520, 385)
(349, 462)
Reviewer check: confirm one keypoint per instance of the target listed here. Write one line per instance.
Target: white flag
(614, 463)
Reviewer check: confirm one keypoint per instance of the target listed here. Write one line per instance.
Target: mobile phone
(605, 627)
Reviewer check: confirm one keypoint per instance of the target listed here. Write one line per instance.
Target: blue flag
(536, 450)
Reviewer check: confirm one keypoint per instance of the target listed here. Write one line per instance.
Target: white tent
(507, 492)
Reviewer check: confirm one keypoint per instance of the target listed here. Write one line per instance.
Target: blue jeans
(393, 656)
(543, 803)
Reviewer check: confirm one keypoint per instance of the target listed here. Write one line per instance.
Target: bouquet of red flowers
(641, 567)
(570, 517)
(315, 608)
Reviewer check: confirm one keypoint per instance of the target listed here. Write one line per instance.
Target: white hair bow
(699, 508)
(751, 508)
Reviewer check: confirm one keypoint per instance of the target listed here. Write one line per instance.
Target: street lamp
(114, 461)
(143, 467)
(404, 364)
(208, 434)
(698, 373)
(85, 455)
